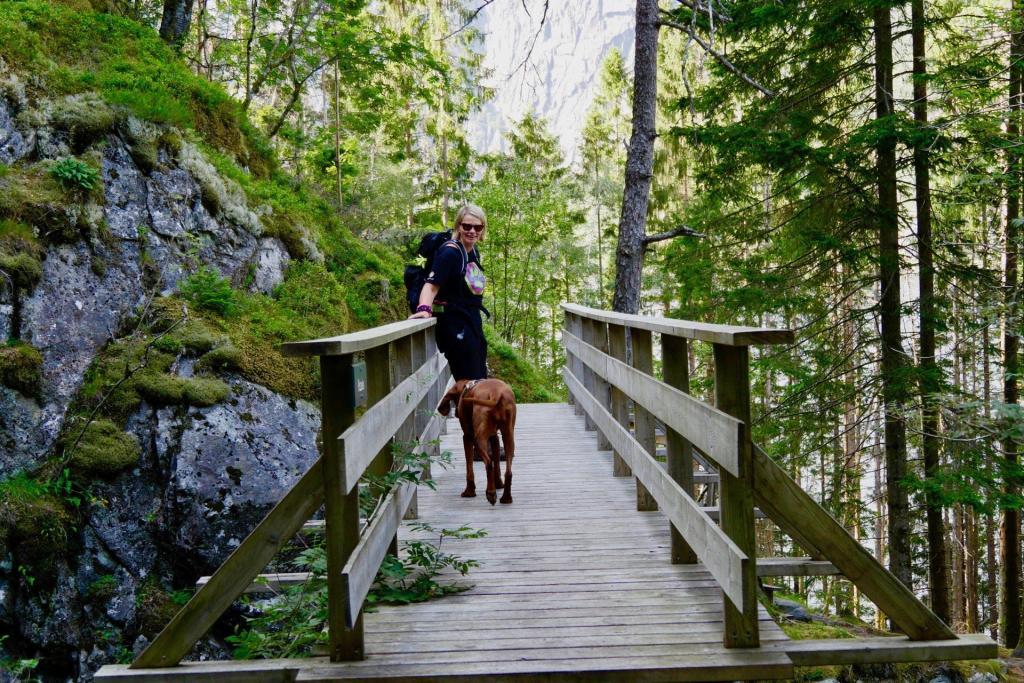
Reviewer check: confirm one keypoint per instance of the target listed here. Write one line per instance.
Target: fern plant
(75, 174)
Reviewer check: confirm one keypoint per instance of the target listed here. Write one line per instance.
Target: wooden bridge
(607, 566)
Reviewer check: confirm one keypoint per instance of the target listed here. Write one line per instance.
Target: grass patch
(35, 526)
(31, 195)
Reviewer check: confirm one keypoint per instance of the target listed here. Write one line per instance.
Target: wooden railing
(610, 363)
(405, 378)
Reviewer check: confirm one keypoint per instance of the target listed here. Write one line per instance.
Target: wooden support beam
(786, 503)
(238, 571)
(709, 429)
(715, 549)
(732, 396)
(643, 360)
(341, 505)
(602, 390)
(619, 401)
(378, 385)
(678, 451)
(885, 649)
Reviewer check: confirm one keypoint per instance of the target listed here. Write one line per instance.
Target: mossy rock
(85, 118)
(21, 368)
(222, 358)
(163, 389)
(34, 524)
(102, 589)
(154, 608)
(104, 449)
(198, 337)
(32, 196)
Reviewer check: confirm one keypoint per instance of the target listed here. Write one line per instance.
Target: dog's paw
(492, 498)
(469, 493)
(506, 499)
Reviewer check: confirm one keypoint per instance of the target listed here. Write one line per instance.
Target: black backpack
(416, 275)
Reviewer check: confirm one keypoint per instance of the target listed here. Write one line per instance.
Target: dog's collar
(465, 390)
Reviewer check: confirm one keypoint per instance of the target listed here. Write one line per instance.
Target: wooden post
(678, 451)
(586, 333)
(597, 336)
(620, 407)
(341, 509)
(576, 327)
(378, 385)
(402, 367)
(570, 360)
(736, 506)
(643, 360)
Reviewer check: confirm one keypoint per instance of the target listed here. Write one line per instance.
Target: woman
(454, 291)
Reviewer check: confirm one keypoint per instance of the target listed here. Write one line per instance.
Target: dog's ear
(449, 400)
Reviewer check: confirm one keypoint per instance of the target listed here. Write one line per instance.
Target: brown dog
(484, 407)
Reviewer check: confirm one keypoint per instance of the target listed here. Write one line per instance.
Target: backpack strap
(462, 252)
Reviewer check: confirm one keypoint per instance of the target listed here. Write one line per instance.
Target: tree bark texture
(930, 381)
(176, 20)
(1009, 532)
(629, 256)
(894, 388)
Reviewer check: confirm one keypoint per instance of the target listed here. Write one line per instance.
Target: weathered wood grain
(718, 334)
(708, 428)
(355, 342)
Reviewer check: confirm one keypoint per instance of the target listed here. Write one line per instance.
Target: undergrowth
(294, 622)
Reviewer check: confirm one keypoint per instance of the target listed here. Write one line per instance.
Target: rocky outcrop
(206, 475)
(152, 228)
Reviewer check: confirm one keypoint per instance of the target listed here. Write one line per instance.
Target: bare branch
(669, 234)
(469, 20)
(722, 59)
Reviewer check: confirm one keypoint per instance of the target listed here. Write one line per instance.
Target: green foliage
(21, 367)
(101, 449)
(20, 254)
(74, 50)
(31, 195)
(222, 358)
(35, 523)
(75, 174)
(528, 383)
(155, 607)
(102, 589)
(209, 291)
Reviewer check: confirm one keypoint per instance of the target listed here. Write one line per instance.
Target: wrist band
(425, 307)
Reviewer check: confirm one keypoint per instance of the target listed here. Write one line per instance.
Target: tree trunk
(629, 257)
(930, 382)
(1009, 547)
(176, 21)
(894, 382)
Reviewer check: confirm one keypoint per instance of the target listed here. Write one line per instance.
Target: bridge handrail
(610, 361)
(730, 335)
(394, 391)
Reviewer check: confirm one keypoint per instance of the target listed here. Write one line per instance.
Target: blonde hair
(470, 210)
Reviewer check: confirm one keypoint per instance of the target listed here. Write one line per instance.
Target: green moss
(103, 449)
(154, 608)
(222, 358)
(31, 195)
(34, 524)
(814, 630)
(102, 589)
(23, 269)
(85, 118)
(161, 389)
(75, 50)
(21, 368)
(103, 380)
(197, 337)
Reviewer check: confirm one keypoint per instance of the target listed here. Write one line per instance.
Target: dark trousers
(460, 337)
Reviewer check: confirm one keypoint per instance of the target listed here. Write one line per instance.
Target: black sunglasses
(472, 227)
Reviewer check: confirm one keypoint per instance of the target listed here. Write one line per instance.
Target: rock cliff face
(551, 70)
(205, 475)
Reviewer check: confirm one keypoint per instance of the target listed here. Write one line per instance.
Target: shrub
(102, 449)
(21, 368)
(34, 523)
(209, 291)
(75, 174)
